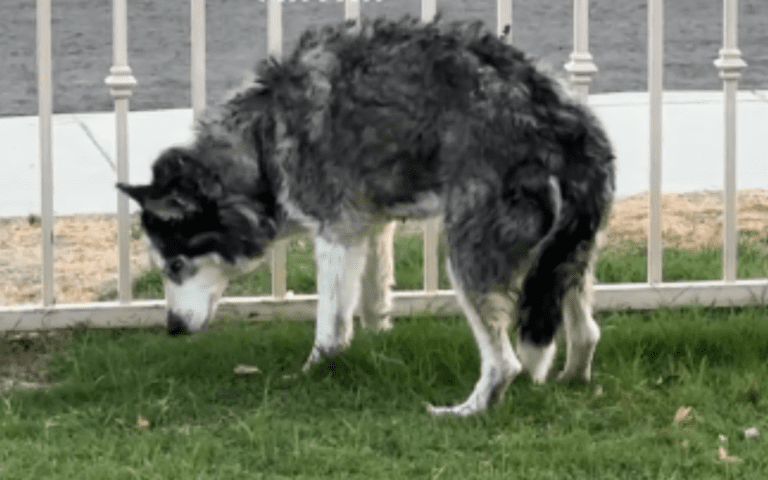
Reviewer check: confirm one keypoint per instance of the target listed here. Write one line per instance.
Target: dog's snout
(176, 324)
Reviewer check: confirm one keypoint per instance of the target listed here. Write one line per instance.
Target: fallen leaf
(142, 423)
(246, 370)
(599, 391)
(724, 457)
(684, 415)
(751, 432)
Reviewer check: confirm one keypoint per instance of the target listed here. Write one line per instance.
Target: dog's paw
(567, 377)
(376, 323)
(319, 354)
(315, 357)
(461, 410)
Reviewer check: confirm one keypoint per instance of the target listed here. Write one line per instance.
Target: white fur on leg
(582, 334)
(498, 363)
(536, 359)
(377, 281)
(339, 268)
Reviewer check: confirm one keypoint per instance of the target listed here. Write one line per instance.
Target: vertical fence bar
(274, 27)
(655, 89)
(730, 64)
(121, 83)
(278, 262)
(352, 10)
(504, 20)
(432, 226)
(581, 67)
(279, 258)
(431, 271)
(428, 10)
(45, 119)
(197, 52)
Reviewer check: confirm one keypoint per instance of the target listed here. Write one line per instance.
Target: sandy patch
(85, 258)
(690, 220)
(24, 359)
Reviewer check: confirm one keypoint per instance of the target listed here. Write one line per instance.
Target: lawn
(621, 262)
(139, 404)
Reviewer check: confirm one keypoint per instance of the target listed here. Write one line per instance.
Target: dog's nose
(176, 325)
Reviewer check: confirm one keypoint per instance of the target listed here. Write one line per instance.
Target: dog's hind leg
(488, 315)
(558, 290)
(536, 359)
(339, 268)
(378, 279)
(494, 237)
(581, 331)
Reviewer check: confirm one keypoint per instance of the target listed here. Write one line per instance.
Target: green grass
(625, 262)
(301, 270)
(362, 414)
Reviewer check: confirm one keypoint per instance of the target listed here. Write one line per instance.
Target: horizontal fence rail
(148, 313)
(654, 293)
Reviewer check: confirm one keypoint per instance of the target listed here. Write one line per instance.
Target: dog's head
(203, 228)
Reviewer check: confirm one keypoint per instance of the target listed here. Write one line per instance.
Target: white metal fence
(651, 294)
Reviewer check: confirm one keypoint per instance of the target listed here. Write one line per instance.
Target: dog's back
(403, 111)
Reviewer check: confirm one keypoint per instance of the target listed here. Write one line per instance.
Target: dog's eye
(175, 266)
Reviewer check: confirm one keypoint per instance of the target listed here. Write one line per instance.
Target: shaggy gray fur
(399, 119)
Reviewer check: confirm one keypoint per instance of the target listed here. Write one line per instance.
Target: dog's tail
(532, 192)
(562, 259)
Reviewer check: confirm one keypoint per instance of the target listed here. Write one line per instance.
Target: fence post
(274, 28)
(428, 10)
(581, 67)
(655, 90)
(730, 65)
(279, 255)
(45, 119)
(504, 20)
(352, 11)
(197, 53)
(432, 226)
(121, 83)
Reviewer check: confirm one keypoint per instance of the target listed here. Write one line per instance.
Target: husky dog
(359, 127)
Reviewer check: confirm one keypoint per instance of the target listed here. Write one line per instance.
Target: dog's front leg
(339, 268)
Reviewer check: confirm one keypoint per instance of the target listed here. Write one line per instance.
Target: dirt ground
(85, 259)
(690, 220)
(86, 247)
(24, 359)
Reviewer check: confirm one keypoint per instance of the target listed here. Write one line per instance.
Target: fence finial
(581, 67)
(120, 81)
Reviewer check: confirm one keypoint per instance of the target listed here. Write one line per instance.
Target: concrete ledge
(84, 147)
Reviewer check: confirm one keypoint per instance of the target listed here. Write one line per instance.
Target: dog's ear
(173, 206)
(137, 192)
